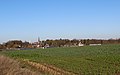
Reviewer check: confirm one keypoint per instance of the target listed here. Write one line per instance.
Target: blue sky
(53, 19)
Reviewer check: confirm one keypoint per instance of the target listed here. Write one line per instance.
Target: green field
(87, 60)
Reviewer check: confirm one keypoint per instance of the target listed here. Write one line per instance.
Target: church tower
(39, 40)
(39, 43)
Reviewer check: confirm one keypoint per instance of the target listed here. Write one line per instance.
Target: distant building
(46, 46)
(37, 44)
(80, 44)
(95, 44)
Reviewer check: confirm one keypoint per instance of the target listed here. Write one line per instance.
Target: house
(46, 46)
(95, 44)
(80, 44)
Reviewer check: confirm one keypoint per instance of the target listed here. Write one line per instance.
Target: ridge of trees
(57, 43)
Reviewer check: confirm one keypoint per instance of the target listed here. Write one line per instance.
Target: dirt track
(48, 68)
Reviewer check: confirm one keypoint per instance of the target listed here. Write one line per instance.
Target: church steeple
(38, 40)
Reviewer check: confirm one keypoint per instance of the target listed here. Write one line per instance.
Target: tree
(13, 44)
(1, 46)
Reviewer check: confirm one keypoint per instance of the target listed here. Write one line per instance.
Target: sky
(54, 19)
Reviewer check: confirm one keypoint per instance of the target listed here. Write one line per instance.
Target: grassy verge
(9, 66)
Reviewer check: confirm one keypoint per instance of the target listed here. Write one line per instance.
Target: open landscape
(59, 37)
(87, 60)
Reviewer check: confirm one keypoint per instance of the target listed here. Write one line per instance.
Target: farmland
(87, 60)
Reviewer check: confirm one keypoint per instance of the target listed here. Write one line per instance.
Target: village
(20, 45)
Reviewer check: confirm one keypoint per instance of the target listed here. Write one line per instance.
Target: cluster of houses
(40, 44)
(80, 44)
(19, 45)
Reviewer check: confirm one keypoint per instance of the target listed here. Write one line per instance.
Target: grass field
(87, 60)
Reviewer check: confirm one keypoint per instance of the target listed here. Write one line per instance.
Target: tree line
(15, 44)
(56, 43)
